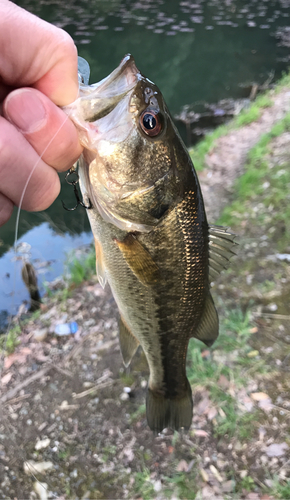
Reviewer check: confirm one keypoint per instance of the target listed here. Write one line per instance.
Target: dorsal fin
(221, 248)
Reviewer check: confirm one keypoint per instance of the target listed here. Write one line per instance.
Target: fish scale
(153, 242)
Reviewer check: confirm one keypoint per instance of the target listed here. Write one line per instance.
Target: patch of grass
(199, 152)
(253, 113)
(81, 269)
(283, 82)
(63, 454)
(139, 413)
(256, 180)
(266, 286)
(239, 323)
(234, 423)
(143, 485)
(281, 489)
(182, 485)
(108, 452)
(201, 371)
(9, 342)
(232, 346)
(127, 378)
(248, 116)
(247, 483)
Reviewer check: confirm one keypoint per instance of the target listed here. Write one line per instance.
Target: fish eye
(150, 123)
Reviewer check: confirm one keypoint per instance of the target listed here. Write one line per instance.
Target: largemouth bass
(153, 243)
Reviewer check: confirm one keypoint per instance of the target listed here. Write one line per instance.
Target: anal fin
(139, 259)
(128, 343)
(208, 327)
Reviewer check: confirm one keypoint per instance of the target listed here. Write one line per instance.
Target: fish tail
(175, 413)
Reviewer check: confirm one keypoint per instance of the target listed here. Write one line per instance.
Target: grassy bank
(247, 116)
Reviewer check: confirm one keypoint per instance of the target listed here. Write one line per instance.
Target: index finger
(37, 54)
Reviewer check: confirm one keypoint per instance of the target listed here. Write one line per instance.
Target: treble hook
(74, 184)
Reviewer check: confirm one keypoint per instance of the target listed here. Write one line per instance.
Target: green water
(195, 51)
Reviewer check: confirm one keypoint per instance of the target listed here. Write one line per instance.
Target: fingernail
(24, 108)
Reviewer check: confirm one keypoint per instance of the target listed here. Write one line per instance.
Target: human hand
(40, 62)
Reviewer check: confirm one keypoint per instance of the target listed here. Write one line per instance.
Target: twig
(283, 466)
(63, 371)
(93, 389)
(75, 349)
(280, 408)
(12, 393)
(16, 400)
(271, 316)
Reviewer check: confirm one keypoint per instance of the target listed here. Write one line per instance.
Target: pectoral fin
(128, 343)
(139, 260)
(100, 268)
(208, 328)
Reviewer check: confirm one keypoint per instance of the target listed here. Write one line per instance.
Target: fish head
(128, 138)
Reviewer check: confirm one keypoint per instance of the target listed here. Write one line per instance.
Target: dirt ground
(72, 418)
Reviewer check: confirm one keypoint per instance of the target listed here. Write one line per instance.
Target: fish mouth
(98, 100)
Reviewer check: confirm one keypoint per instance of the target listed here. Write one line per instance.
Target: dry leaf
(276, 449)
(6, 379)
(216, 473)
(204, 475)
(41, 489)
(259, 396)
(207, 493)
(223, 382)
(212, 413)
(228, 486)
(265, 405)
(200, 433)
(252, 354)
(182, 466)
(19, 357)
(202, 406)
(253, 496)
(31, 467)
(42, 443)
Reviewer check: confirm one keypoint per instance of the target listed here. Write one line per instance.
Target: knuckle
(66, 45)
(68, 154)
(45, 194)
(4, 143)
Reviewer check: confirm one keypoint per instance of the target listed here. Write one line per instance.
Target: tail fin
(163, 412)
